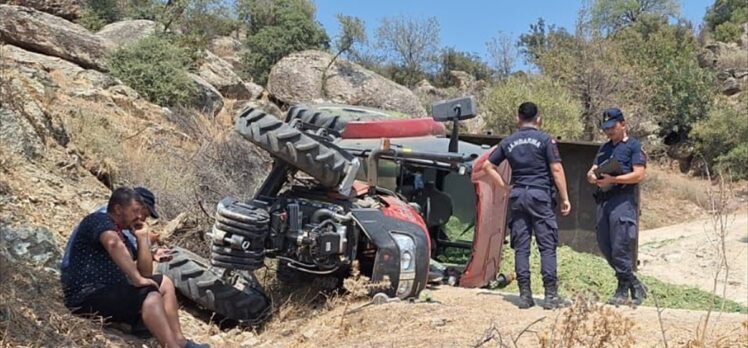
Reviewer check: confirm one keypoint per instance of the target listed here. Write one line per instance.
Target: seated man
(101, 277)
(149, 209)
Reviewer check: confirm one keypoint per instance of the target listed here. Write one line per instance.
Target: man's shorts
(117, 303)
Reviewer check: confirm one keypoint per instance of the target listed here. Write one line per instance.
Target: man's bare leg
(171, 308)
(154, 318)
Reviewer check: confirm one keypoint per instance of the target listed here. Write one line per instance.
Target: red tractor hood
(393, 128)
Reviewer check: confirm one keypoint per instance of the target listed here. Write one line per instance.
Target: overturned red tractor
(352, 185)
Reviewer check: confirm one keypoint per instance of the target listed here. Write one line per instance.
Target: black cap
(149, 199)
(611, 117)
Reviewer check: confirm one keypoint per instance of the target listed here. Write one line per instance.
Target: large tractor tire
(197, 281)
(334, 117)
(293, 146)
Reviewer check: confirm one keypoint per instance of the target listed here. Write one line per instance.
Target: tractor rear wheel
(197, 281)
(334, 117)
(293, 146)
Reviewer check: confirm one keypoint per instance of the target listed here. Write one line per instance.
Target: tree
(352, 31)
(258, 14)
(411, 45)
(451, 59)
(722, 137)
(278, 29)
(678, 91)
(587, 65)
(502, 54)
(557, 106)
(541, 39)
(725, 17)
(610, 16)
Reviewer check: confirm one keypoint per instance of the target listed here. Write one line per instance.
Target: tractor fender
(490, 225)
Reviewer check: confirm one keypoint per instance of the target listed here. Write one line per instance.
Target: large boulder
(209, 100)
(25, 125)
(298, 78)
(254, 89)
(128, 32)
(731, 86)
(21, 57)
(221, 75)
(47, 34)
(32, 244)
(229, 49)
(68, 9)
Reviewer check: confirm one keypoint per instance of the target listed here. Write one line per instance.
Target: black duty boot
(638, 291)
(525, 296)
(621, 296)
(553, 300)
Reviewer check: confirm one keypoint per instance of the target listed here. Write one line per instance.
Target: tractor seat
(436, 205)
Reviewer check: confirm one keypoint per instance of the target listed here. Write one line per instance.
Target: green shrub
(90, 20)
(156, 68)
(725, 17)
(722, 138)
(727, 32)
(292, 29)
(560, 111)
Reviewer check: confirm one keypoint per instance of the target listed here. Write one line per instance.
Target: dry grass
(213, 163)
(189, 169)
(733, 59)
(589, 324)
(32, 313)
(670, 198)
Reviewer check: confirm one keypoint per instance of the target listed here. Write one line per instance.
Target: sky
(467, 24)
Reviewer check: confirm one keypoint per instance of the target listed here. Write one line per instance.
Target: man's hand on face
(607, 180)
(141, 230)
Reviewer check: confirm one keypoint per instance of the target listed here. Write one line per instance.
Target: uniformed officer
(617, 207)
(533, 157)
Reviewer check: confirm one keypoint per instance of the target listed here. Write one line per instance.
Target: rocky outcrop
(25, 126)
(36, 245)
(124, 33)
(254, 89)
(221, 75)
(730, 62)
(298, 78)
(47, 34)
(426, 91)
(229, 49)
(68, 9)
(731, 86)
(208, 99)
(21, 57)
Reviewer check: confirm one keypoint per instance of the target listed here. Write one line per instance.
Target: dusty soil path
(686, 254)
(465, 317)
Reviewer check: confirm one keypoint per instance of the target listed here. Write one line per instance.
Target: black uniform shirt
(529, 152)
(627, 152)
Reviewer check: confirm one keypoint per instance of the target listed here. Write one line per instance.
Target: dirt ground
(466, 317)
(686, 254)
